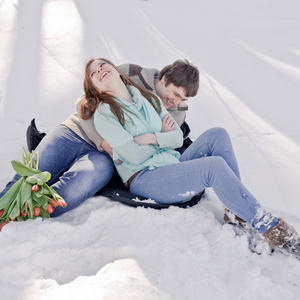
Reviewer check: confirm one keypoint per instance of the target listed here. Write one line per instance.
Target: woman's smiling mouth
(103, 75)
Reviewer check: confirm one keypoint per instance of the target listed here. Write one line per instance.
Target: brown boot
(280, 235)
(231, 218)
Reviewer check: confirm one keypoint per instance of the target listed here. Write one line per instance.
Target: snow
(248, 53)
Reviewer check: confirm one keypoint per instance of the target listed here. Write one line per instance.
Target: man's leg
(57, 152)
(89, 173)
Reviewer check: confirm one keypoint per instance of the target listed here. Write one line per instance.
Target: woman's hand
(145, 139)
(168, 123)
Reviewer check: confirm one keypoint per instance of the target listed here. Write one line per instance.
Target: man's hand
(146, 139)
(107, 148)
(168, 123)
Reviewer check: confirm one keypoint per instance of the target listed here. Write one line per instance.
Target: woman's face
(102, 74)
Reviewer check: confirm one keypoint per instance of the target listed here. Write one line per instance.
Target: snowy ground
(249, 56)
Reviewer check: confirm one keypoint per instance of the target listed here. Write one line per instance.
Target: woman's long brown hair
(93, 98)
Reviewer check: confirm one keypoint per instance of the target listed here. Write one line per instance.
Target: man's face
(170, 95)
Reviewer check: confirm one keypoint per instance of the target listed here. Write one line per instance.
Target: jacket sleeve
(124, 148)
(88, 126)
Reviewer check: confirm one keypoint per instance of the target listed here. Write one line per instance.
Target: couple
(140, 134)
(79, 159)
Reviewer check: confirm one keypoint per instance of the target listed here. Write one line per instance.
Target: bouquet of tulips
(30, 196)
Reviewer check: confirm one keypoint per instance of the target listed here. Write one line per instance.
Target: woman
(142, 135)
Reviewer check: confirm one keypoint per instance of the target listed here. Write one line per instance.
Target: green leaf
(37, 200)
(22, 218)
(42, 201)
(18, 199)
(4, 216)
(38, 193)
(23, 170)
(24, 158)
(39, 179)
(28, 159)
(11, 208)
(44, 207)
(32, 162)
(37, 159)
(44, 213)
(45, 190)
(31, 208)
(11, 194)
(50, 190)
(45, 203)
(15, 210)
(25, 193)
(53, 192)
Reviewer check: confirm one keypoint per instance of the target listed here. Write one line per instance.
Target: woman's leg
(176, 183)
(213, 142)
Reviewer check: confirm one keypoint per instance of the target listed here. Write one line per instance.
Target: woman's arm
(124, 147)
(169, 139)
(168, 124)
(170, 136)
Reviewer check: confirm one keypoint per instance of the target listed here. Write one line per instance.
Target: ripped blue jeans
(209, 162)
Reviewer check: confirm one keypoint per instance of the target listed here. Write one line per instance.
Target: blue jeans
(78, 170)
(209, 162)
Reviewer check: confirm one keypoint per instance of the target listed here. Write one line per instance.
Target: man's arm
(140, 75)
(89, 127)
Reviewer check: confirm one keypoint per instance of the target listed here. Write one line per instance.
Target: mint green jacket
(144, 119)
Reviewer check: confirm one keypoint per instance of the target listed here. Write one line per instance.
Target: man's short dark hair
(182, 74)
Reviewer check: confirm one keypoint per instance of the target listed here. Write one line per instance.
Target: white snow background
(248, 53)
